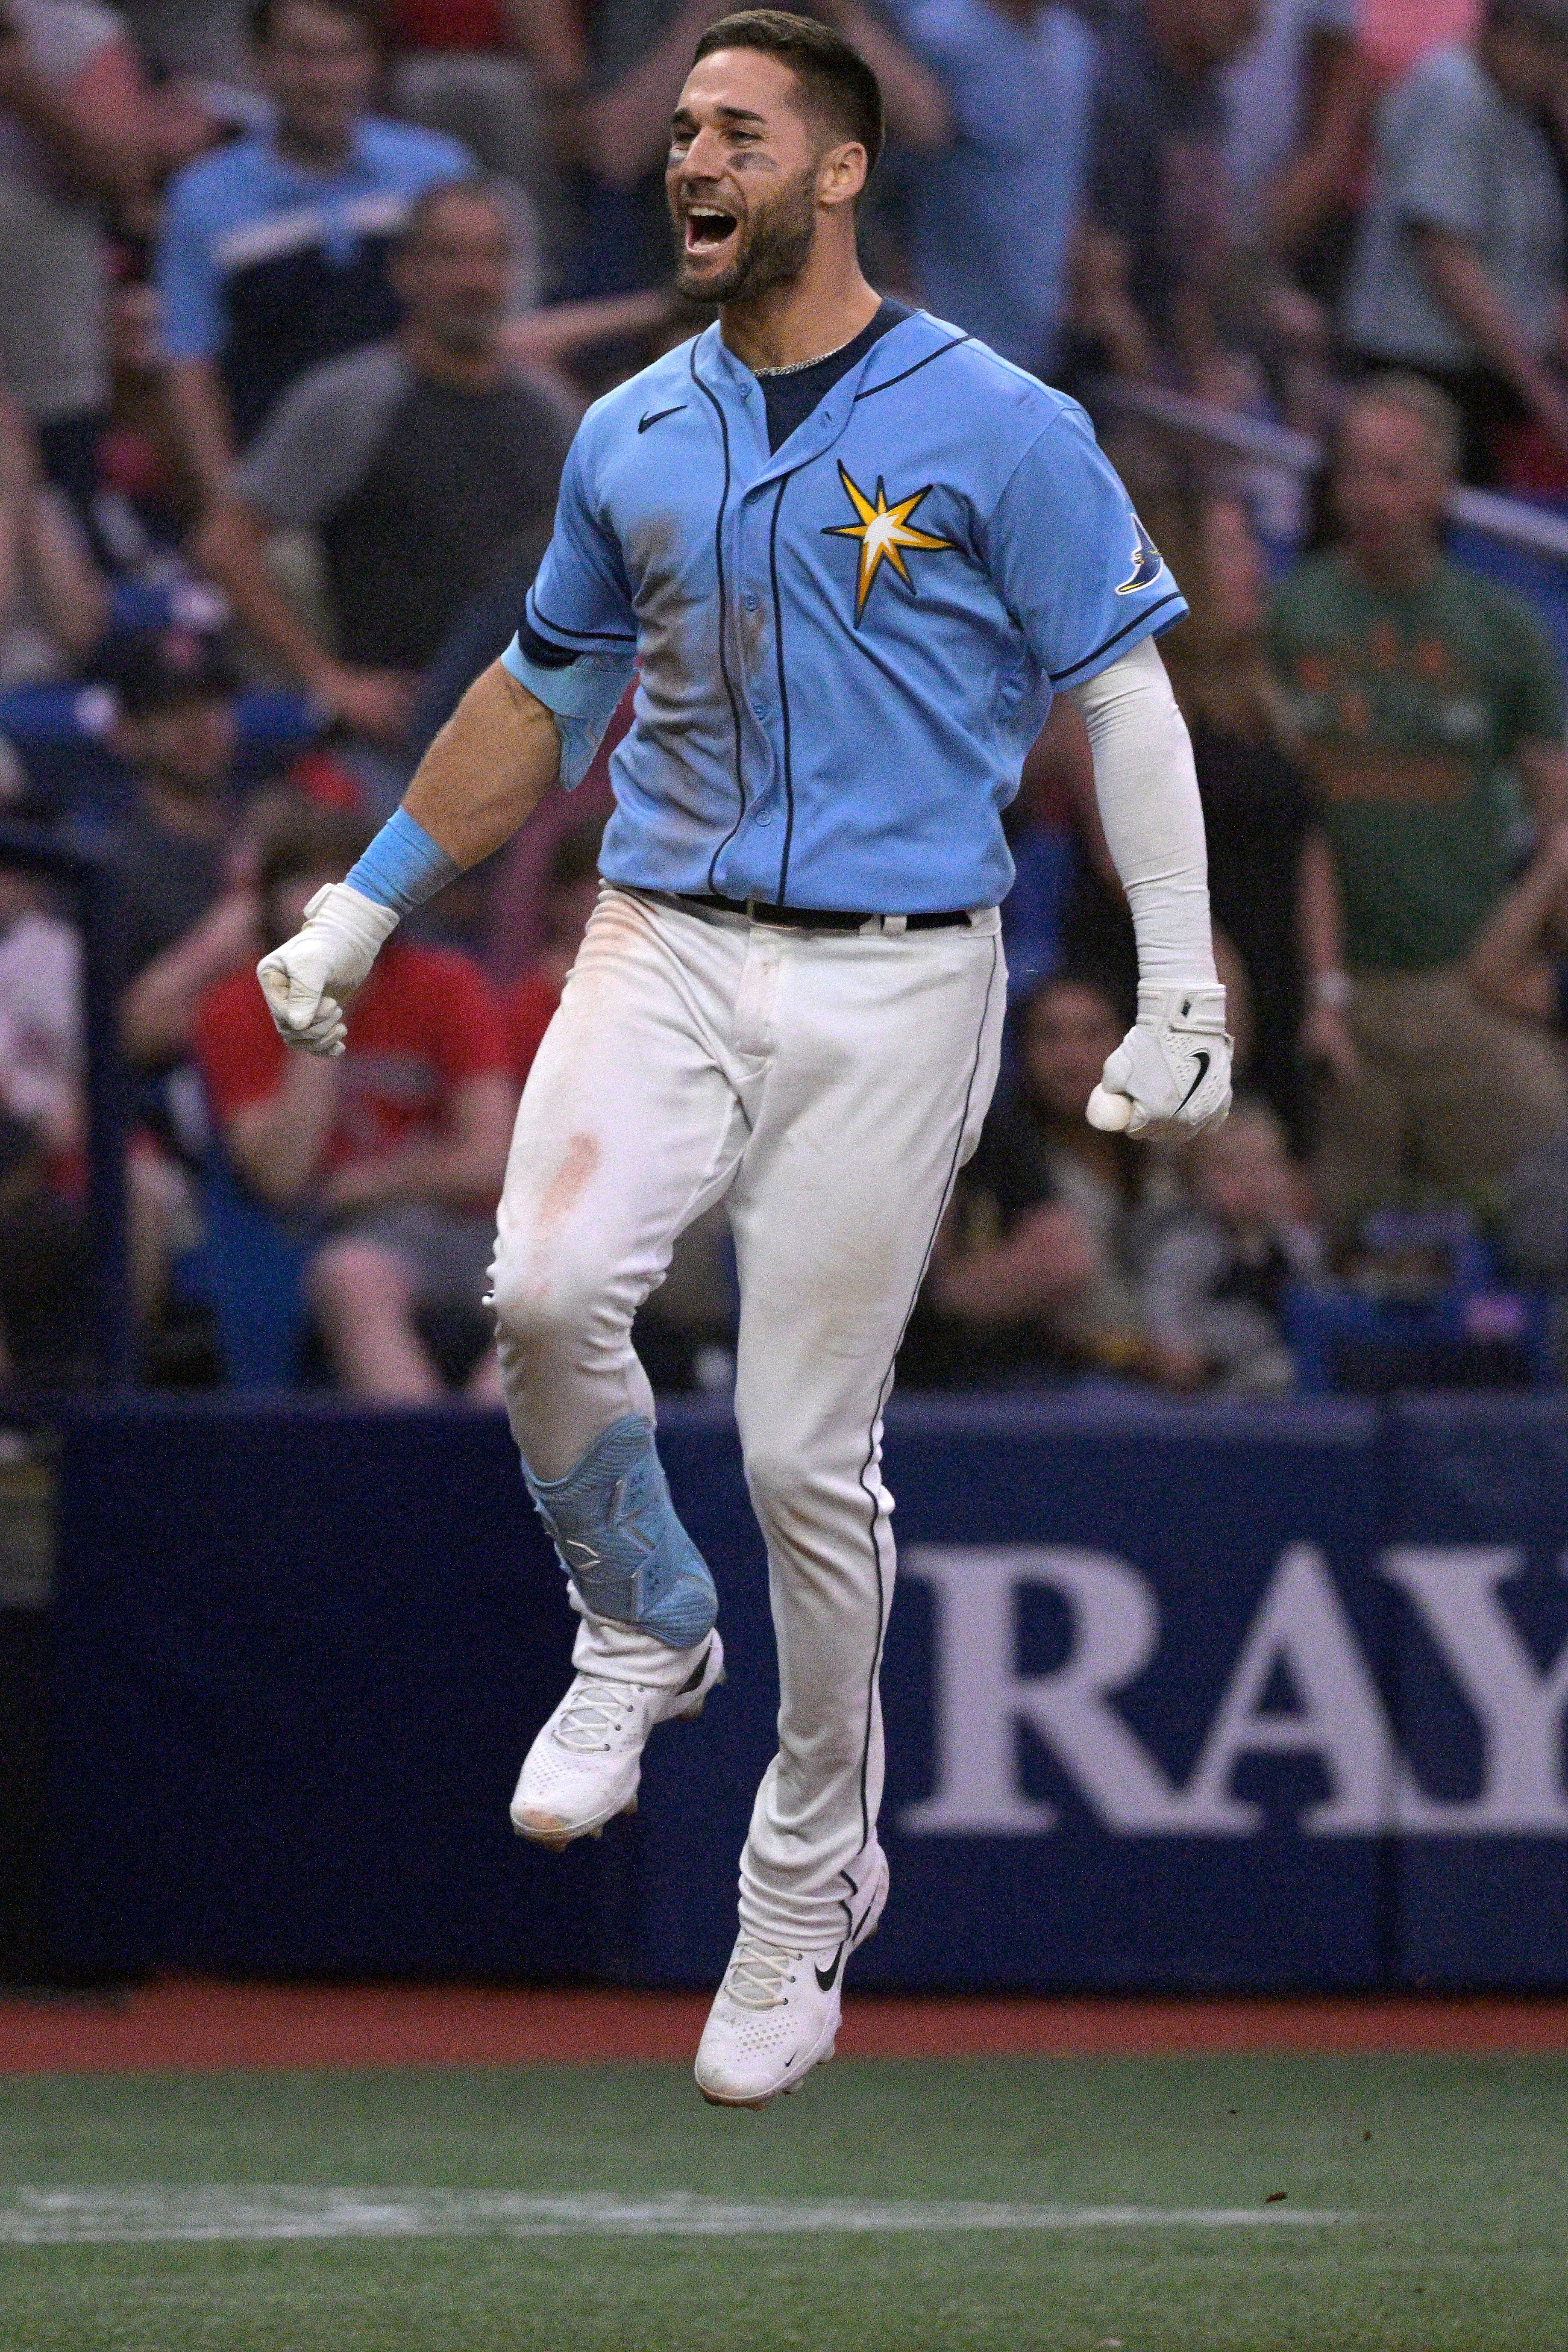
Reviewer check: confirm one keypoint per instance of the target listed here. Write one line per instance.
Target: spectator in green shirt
(1422, 699)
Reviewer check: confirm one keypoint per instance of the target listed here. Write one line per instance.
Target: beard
(772, 249)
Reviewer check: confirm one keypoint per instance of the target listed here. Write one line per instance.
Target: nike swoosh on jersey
(828, 1977)
(1202, 1061)
(657, 415)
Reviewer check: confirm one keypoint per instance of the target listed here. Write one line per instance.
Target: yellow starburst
(884, 533)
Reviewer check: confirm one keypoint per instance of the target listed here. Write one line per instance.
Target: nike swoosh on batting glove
(310, 981)
(1170, 1077)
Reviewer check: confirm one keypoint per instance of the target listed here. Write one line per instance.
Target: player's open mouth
(708, 226)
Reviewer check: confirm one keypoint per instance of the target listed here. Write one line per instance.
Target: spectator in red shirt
(397, 1148)
(570, 894)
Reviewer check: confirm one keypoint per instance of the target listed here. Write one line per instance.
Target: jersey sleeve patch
(1072, 561)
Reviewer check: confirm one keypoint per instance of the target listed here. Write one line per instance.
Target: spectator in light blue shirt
(993, 212)
(274, 255)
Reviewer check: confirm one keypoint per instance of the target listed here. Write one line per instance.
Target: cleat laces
(758, 1976)
(593, 1714)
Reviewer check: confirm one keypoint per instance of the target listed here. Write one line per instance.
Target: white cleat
(584, 1767)
(776, 2015)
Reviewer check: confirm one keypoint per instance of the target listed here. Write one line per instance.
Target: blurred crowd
(299, 303)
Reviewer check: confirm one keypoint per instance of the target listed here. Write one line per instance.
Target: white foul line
(74, 2217)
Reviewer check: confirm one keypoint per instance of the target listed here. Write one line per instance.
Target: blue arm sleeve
(402, 867)
(582, 696)
(1072, 562)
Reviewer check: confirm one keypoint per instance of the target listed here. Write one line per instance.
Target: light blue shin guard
(615, 1529)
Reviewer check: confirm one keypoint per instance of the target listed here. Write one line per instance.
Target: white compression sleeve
(1147, 788)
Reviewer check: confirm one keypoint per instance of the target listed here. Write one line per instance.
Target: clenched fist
(1170, 1077)
(310, 981)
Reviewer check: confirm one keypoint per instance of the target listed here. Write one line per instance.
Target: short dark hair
(471, 188)
(369, 14)
(160, 668)
(835, 80)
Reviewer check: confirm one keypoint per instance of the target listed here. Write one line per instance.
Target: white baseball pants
(829, 1086)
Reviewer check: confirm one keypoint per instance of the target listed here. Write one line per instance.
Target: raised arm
(160, 1006)
(1467, 290)
(41, 554)
(95, 128)
(625, 129)
(1322, 171)
(558, 331)
(918, 114)
(1543, 768)
(551, 38)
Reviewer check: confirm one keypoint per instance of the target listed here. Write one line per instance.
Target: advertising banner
(1479, 1541)
(1194, 1696)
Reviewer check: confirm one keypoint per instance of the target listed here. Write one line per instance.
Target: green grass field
(1451, 2177)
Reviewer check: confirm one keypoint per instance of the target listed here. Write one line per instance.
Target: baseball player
(852, 555)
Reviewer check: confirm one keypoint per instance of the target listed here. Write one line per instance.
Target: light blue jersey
(846, 648)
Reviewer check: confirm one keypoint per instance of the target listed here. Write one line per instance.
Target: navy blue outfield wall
(1176, 1697)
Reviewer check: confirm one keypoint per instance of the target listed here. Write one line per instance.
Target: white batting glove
(1170, 1077)
(310, 980)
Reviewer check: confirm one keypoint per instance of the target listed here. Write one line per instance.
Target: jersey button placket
(758, 653)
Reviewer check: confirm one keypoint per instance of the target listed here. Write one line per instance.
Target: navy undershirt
(790, 398)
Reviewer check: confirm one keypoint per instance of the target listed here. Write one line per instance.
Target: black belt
(820, 919)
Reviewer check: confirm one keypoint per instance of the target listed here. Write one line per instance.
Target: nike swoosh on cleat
(828, 1977)
(657, 415)
(1202, 1061)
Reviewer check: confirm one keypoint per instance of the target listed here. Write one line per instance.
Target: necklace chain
(798, 367)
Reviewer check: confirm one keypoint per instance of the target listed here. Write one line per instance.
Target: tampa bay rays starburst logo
(884, 533)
